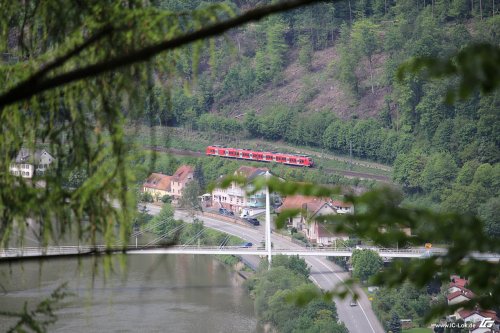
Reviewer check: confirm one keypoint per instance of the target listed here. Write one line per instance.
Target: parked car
(225, 211)
(252, 221)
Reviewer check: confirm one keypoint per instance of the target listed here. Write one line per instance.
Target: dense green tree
(466, 173)
(345, 68)
(394, 324)
(489, 212)
(293, 263)
(305, 52)
(365, 264)
(251, 124)
(464, 199)
(276, 47)
(164, 222)
(439, 173)
(408, 169)
(199, 176)
(365, 41)
(190, 196)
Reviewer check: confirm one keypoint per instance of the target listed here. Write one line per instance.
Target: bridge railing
(383, 252)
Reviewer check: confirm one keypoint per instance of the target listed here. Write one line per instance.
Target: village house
(29, 163)
(304, 222)
(458, 293)
(159, 185)
(478, 315)
(235, 196)
(459, 296)
(183, 175)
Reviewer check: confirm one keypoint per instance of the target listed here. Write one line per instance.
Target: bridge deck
(30, 252)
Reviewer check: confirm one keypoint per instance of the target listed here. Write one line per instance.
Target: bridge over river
(386, 253)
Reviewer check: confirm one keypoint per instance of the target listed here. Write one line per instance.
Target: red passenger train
(260, 156)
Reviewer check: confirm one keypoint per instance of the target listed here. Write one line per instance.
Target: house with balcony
(29, 163)
(235, 197)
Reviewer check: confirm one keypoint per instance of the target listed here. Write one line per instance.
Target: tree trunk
(371, 73)
(481, 9)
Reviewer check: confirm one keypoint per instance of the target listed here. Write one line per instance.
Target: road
(358, 319)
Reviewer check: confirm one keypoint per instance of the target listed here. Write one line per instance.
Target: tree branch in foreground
(28, 88)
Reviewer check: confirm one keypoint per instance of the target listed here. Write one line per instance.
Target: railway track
(345, 173)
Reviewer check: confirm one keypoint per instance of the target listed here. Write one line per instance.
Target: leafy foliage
(277, 299)
(365, 264)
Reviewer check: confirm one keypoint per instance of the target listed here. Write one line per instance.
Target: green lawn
(418, 330)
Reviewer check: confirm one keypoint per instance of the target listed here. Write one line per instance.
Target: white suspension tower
(268, 223)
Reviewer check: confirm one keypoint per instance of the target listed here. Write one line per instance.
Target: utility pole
(268, 224)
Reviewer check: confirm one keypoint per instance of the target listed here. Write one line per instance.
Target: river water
(151, 293)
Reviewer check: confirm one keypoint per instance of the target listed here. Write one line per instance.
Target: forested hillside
(325, 76)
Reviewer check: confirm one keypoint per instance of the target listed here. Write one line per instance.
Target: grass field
(418, 330)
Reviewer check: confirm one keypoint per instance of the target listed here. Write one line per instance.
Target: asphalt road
(358, 319)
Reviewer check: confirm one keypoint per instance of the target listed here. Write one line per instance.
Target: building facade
(235, 196)
(29, 163)
(159, 185)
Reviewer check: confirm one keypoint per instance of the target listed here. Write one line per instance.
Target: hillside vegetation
(325, 76)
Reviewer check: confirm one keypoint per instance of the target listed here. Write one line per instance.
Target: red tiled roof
(464, 314)
(294, 202)
(464, 292)
(182, 173)
(456, 281)
(312, 204)
(158, 181)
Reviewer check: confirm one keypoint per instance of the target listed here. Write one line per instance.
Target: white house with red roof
(458, 293)
(478, 315)
(311, 208)
(459, 296)
(235, 196)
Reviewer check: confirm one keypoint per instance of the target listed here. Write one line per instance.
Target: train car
(260, 156)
